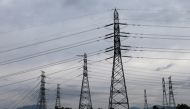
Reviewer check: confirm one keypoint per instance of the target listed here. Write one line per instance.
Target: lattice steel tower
(85, 96)
(42, 95)
(171, 95)
(145, 100)
(58, 101)
(118, 98)
(164, 101)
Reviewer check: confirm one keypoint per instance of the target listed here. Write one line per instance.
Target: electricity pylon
(145, 100)
(118, 98)
(85, 96)
(58, 101)
(42, 95)
(164, 101)
(171, 95)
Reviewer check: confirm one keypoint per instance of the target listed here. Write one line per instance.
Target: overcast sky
(27, 22)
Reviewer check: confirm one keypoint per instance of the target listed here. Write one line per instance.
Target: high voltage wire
(19, 82)
(156, 20)
(142, 50)
(39, 67)
(146, 84)
(76, 17)
(141, 76)
(153, 34)
(38, 84)
(129, 79)
(165, 26)
(54, 50)
(164, 38)
(99, 69)
(38, 76)
(103, 66)
(124, 56)
(133, 75)
(157, 58)
(49, 40)
(98, 66)
(180, 49)
(150, 10)
(50, 74)
(150, 70)
(49, 65)
(133, 81)
(27, 94)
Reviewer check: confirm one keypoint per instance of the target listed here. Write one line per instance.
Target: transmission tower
(85, 96)
(145, 100)
(42, 95)
(171, 95)
(118, 98)
(164, 101)
(58, 101)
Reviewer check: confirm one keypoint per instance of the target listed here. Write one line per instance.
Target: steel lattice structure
(164, 101)
(145, 100)
(171, 95)
(85, 96)
(42, 95)
(118, 98)
(58, 101)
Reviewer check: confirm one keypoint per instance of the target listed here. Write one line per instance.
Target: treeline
(179, 106)
(182, 106)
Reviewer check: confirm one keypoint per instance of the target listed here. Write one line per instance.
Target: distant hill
(28, 107)
(135, 108)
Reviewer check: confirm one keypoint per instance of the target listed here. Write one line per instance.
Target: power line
(65, 20)
(142, 50)
(150, 70)
(52, 39)
(50, 74)
(180, 49)
(164, 38)
(144, 75)
(153, 34)
(137, 77)
(165, 26)
(26, 95)
(48, 65)
(156, 20)
(19, 82)
(103, 66)
(39, 67)
(54, 50)
(157, 58)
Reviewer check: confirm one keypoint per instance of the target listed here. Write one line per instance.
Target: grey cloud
(25, 13)
(164, 67)
(80, 3)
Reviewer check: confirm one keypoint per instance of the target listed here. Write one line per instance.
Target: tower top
(85, 96)
(116, 14)
(85, 55)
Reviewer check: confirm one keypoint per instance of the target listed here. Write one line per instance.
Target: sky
(49, 35)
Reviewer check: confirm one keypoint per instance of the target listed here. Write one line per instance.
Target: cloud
(46, 17)
(164, 67)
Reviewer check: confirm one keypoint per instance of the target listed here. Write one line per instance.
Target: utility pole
(164, 101)
(85, 96)
(58, 101)
(42, 95)
(171, 95)
(118, 98)
(145, 100)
